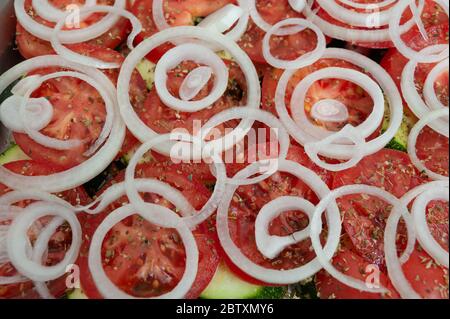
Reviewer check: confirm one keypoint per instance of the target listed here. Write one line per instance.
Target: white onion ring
(154, 214)
(305, 59)
(367, 6)
(272, 275)
(87, 170)
(365, 129)
(297, 5)
(138, 127)
(354, 35)
(17, 241)
(428, 89)
(194, 82)
(190, 52)
(412, 97)
(270, 245)
(316, 229)
(412, 141)
(424, 235)
(328, 110)
(67, 36)
(401, 46)
(339, 151)
(86, 60)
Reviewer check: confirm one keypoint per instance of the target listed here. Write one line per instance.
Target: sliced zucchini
(147, 70)
(226, 285)
(76, 294)
(12, 154)
(400, 140)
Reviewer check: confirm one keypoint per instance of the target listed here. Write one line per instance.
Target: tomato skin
(30, 46)
(205, 234)
(58, 243)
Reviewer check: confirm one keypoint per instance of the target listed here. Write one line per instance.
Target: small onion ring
(190, 52)
(302, 61)
(428, 89)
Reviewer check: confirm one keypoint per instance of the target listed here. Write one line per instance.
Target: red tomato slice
(247, 202)
(79, 110)
(364, 217)
(394, 62)
(351, 264)
(358, 102)
(31, 46)
(433, 150)
(428, 279)
(58, 244)
(432, 15)
(163, 119)
(157, 262)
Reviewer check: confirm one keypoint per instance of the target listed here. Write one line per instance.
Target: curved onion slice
(394, 264)
(49, 12)
(341, 151)
(67, 36)
(140, 205)
(405, 50)
(305, 59)
(328, 110)
(429, 92)
(138, 127)
(269, 245)
(155, 214)
(355, 35)
(413, 98)
(412, 141)
(365, 129)
(267, 167)
(424, 235)
(85, 60)
(223, 19)
(17, 241)
(87, 170)
(271, 275)
(348, 132)
(190, 52)
(37, 113)
(194, 82)
(316, 229)
(297, 5)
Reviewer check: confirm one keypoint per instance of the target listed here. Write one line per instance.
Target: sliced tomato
(247, 202)
(432, 15)
(432, 149)
(79, 110)
(358, 102)
(31, 46)
(59, 243)
(427, 278)
(394, 62)
(163, 119)
(157, 256)
(364, 217)
(347, 261)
